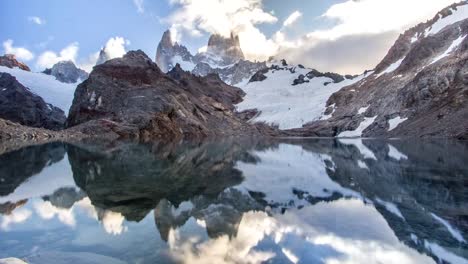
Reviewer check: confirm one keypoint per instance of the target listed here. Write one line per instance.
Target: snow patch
(394, 122)
(361, 164)
(358, 131)
(453, 231)
(394, 153)
(391, 68)
(357, 142)
(457, 15)
(286, 105)
(185, 65)
(392, 208)
(452, 47)
(46, 86)
(444, 254)
(362, 110)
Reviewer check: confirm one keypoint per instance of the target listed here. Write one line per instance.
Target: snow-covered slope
(52, 91)
(419, 89)
(282, 103)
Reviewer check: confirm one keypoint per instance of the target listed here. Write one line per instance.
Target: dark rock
(19, 105)
(9, 60)
(259, 76)
(67, 72)
(300, 80)
(334, 76)
(284, 63)
(137, 100)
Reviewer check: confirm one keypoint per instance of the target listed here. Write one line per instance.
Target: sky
(344, 36)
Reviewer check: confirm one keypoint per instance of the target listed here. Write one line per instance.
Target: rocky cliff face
(19, 105)
(223, 57)
(67, 72)
(9, 60)
(419, 89)
(133, 98)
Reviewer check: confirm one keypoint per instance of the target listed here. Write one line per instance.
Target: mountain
(67, 72)
(289, 96)
(52, 91)
(20, 105)
(9, 60)
(103, 56)
(223, 56)
(131, 97)
(420, 88)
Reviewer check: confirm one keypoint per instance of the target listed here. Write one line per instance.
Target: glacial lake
(236, 201)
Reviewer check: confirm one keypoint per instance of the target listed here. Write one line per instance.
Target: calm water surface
(251, 201)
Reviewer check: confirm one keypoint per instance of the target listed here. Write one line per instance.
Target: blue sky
(52, 25)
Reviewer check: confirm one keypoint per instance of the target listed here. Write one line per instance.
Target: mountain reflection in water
(236, 201)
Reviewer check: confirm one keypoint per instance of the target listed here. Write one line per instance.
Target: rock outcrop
(67, 72)
(19, 105)
(420, 88)
(10, 61)
(137, 100)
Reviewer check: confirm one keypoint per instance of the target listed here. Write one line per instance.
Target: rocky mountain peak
(10, 61)
(168, 52)
(67, 72)
(229, 48)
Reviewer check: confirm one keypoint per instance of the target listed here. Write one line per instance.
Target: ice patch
(394, 122)
(358, 131)
(391, 68)
(394, 153)
(357, 142)
(452, 47)
(460, 14)
(453, 231)
(46, 86)
(392, 208)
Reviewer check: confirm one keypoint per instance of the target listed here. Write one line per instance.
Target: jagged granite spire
(227, 48)
(168, 50)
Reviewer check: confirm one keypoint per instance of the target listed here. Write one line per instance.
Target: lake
(236, 201)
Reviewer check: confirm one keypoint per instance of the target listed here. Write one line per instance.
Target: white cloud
(292, 18)
(223, 17)
(20, 52)
(18, 216)
(115, 47)
(49, 58)
(36, 20)
(377, 16)
(46, 210)
(139, 5)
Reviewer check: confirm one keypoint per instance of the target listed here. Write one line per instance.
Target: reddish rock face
(9, 60)
(135, 99)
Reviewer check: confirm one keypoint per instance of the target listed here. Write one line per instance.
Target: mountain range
(419, 89)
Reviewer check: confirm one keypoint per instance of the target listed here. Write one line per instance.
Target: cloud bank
(20, 52)
(360, 34)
